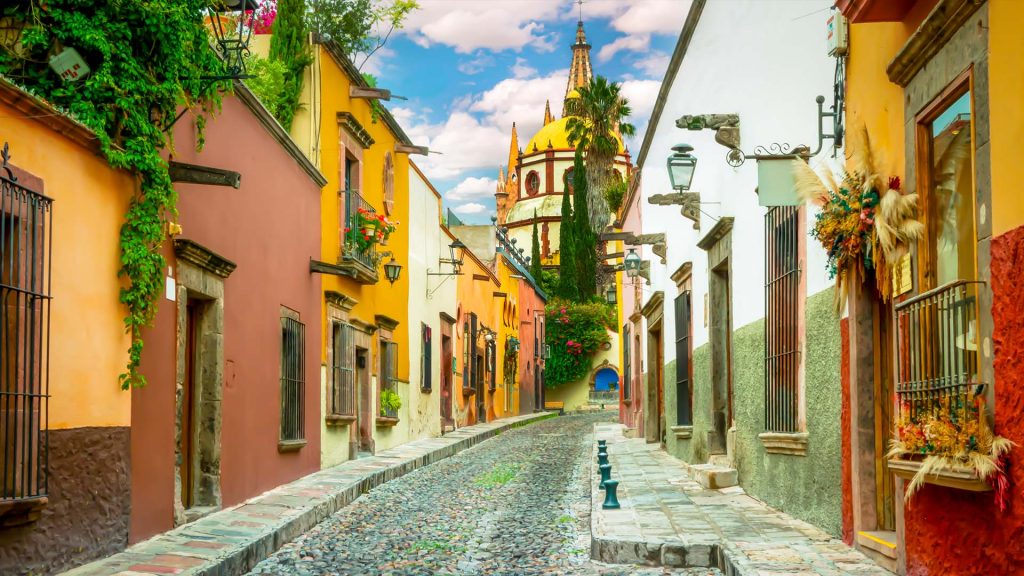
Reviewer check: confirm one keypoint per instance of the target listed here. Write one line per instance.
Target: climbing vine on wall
(147, 60)
(574, 331)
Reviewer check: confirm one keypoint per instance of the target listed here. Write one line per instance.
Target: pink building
(631, 332)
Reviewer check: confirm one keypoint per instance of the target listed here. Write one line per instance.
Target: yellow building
(364, 154)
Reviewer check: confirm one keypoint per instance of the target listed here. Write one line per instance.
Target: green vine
(574, 331)
(289, 45)
(147, 60)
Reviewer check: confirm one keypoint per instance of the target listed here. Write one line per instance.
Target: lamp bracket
(782, 150)
(726, 126)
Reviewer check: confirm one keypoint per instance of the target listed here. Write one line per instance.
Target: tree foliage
(615, 193)
(289, 45)
(575, 331)
(148, 60)
(535, 265)
(584, 238)
(601, 110)
(567, 287)
(358, 26)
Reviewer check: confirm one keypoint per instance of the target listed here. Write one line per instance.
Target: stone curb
(293, 509)
(708, 553)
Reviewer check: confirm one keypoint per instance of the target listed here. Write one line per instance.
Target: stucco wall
(576, 395)
(808, 487)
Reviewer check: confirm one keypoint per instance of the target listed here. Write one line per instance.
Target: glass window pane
(951, 201)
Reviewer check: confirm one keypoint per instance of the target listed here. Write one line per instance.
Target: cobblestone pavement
(518, 504)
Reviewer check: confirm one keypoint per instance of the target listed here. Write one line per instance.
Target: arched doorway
(604, 386)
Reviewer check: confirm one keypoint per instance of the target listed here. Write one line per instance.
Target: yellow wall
(373, 299)
(507, 327)
(872, 101)
(475, 295)
(1006, 125)
(88, 344)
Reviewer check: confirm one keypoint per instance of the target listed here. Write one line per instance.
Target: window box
(386, 421)
(338, 420)
(792, 443)
(290, 445)
(959, 478)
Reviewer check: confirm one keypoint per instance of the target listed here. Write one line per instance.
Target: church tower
(580, 72)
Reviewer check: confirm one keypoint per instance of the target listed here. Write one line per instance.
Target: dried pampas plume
(896, 222)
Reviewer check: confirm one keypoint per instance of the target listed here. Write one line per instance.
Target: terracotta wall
(476, 287)
(531, 317)
(270, 228)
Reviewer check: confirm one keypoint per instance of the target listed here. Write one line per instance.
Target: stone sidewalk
(668, 519)
(234, 540)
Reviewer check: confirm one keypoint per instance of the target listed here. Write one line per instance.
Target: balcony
(939, 396)
(358, 256)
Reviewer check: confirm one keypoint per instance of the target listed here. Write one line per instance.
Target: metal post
(606, 474)
(611, 502)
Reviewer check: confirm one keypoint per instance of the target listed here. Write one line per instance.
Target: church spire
(580, 72)
(513, 150)
(548, 118)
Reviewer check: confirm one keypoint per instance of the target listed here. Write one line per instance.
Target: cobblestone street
(515, 505)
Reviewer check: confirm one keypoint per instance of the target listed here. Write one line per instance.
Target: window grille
(343, 391)
(684, 411)
(25, 243)
(937, 375)
(388, 372)
(466, 365)
(627, 368)
(293, 379)
(782, 302)
(426, 360)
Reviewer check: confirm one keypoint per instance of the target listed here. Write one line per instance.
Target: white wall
(765, 61)
(427, 243)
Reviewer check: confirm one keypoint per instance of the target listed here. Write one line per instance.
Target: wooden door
(885, 490)
(187, 447)
(446, 377)
(364, 418)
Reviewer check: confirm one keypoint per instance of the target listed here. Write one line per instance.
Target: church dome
(557, 133)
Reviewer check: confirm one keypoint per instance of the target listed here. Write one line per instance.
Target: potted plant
(390, 402)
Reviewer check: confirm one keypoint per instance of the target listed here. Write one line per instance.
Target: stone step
(720, 460)
(713, 477)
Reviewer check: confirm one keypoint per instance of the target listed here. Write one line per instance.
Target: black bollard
(606, 473)
(602, 458)
(611, 501)
(602, 444)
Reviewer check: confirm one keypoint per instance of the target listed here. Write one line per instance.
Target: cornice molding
(356, 130)
(653, 305)
(340, 300)
(941, 24)
(203, 257)
(717, 232)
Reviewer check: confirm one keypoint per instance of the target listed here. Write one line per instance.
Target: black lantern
(611, 295)
(681, 165)
(632, 263)
(233, 22)
(456, 259)
(392, 270)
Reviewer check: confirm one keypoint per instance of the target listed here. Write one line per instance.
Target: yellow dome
(573, 94)
(557, 133)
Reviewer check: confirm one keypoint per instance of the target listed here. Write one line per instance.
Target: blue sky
(471, 67)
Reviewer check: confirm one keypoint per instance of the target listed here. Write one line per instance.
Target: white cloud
(632, 43)
(521, 100)
(468, 26)
(653, 65)
(522, 70)
(470, 208)
(636, 16)
(463, 142)
(642, 94)
(477, 65)
(379, 63)
(472, 188)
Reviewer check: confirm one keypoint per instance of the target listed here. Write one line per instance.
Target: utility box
(837, 34)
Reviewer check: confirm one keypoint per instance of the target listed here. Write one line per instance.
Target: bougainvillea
(574, 331)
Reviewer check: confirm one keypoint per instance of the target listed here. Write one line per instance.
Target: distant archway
(605, 379)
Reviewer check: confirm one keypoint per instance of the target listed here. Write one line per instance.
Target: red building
(232, 361)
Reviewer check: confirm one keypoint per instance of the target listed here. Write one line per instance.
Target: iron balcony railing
(25, 243)
(937, 376)
(354, 244)
(604, 396)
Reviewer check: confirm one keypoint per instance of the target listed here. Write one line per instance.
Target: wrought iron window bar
(354, 202)
(293, 379)
(781, 335)
(343, 391)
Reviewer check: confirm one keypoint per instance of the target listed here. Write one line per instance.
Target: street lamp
(232, 43)
(632, 263)
(681, 165)
(611, 295)
(392, 270)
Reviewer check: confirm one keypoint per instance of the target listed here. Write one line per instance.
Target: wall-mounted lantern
(392, 270)
(681, 165)
(457, 251)
(632, 263)
(232, 22)
(611, 295)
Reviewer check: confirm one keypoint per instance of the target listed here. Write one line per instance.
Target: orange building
(64, 420)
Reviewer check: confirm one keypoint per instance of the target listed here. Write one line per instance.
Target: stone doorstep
(712, 477)
(240, 550)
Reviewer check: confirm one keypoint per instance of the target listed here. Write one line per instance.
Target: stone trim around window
(682, 432)
(791, 443)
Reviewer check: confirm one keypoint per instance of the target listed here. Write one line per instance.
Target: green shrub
(575, 332)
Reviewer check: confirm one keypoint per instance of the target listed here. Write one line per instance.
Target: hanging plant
(866, 222)
(148, 60)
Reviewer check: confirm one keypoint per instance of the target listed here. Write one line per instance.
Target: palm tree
(598, 114)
